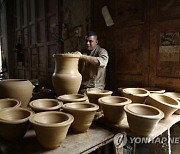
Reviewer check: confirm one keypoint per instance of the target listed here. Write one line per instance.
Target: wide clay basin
(163, 102)
(175, 95)
(14, 123)
(137, 95)
(9, 103)
(51, 127)
(69, 98)
(142, 119)
(113, 108)
(83, 115)
(155, 90)
(40, 105)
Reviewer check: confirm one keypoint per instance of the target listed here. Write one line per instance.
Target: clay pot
(9, 103)
(142, 119)
(40, 105)
(66, 78)
(19, 89)
(137, 95)
(113, 108)
(155, 90)
(94, 94)
(69, 98)
(165, 103)
(51, 127)
(83, 115)
(174, 95)
(14, 123)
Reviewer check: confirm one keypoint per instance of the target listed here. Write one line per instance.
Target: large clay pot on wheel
(66, 78)
(19, 89)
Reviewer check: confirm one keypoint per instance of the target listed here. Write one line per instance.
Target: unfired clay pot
(51, 127)
(83, 115)
(175, 95)
(66, 78)
(9, 103)
(69, 98)
(14, 123)
(142, 119)
(155, 90)
(19, 89)
(165, 103)
(40, 105)
(113, 108)
(137, 95)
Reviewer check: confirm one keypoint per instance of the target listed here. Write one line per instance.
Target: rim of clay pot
(72, 97)
(99, 92)
(175, 95)
(9, 103)
(12, 80)
(155, 90)
(25, 115)
(68, 118)
(174, 103)
(119, 101)
(141, 91)
(75, 55)
(158, 114)
(81, 106)
(52, 104)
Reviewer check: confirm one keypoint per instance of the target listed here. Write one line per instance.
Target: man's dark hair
(91, 33)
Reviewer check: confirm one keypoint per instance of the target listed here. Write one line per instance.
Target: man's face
(91, 42)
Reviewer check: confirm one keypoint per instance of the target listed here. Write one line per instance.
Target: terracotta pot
(69, 98)
(175, 95)
(66, 78)
(142, 119)
(113, 108)
(137, 95)
(155, 90)
(9, 103)
(165, 103)
(51, 127)
(19, 89)
(14, 123)
(40, 105)
(83, 115)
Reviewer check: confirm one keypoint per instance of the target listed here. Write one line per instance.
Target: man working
(92, 64)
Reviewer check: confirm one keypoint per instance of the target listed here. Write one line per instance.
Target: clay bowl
(40, 105)
(142, 118)
(174, 95)
(113, 108)
(137, 95)
(51, 127)
(155, 90)
(68, 98)
(14, 123)
(83, 115)
(9, 103)
(94, 94)
(165, 103)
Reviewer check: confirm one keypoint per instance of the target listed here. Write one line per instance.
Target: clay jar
(155, 90)
(113, 108)
(51, 127)
(137, 95)
(69, 98)
(19, 89)
(9, 103)
(142, 119)
(165, 103)
(83, 115)
(66, 78)
(14, 123)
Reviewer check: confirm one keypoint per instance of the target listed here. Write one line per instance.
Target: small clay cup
(14, 123)
(9, 103)
(142, 118)
(41, 105)
(83, 115)
(175, 95)
(51, 127)
(137, 95)
(155, 90)
(165, 103)
(69, 98)
(113, 108)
